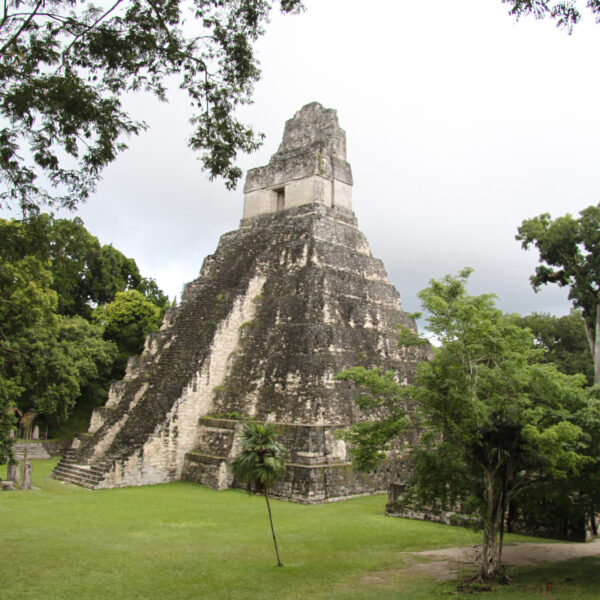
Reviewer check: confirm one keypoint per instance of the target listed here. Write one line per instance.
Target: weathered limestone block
(310, 166)
(12, 472)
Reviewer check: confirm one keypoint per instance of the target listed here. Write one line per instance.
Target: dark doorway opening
(280, 198)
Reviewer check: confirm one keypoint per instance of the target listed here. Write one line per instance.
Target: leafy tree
(72, 364)
(574, 501)
(152, 292)
(260, 463)
(7, 420)
(47, 361)
(84, 273)
(65, 66)
(127, 320)
(66, 246)
(566, 13)
(28, 324)
(26, 314)
(569, 252)
(51, 357)
(111, 272)
(570, 505)
(90, 356)
(563, 341)
(493, 420)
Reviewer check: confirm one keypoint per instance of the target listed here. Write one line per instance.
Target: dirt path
(447, 561)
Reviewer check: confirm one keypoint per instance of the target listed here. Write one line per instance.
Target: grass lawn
(182, 541)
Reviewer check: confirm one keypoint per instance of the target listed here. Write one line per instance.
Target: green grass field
(182, 541)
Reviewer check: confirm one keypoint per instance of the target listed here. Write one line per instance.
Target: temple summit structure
(285, 303)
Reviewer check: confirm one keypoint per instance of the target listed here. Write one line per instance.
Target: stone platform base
(313, 473)
(39, 449)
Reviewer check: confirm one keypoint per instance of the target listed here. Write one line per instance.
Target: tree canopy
(493, 420)
(569, 253)
(47, 361)
(127, 320)
(566, 13)
(65, 67)
(54, 355)
(84, 273)
(563, 342)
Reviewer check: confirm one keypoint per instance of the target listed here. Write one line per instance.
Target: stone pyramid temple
(288, 300)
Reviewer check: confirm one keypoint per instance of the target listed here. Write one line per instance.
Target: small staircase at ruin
(207, 463)
(87, 476)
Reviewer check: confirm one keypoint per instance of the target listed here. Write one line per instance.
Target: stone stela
(285, 303)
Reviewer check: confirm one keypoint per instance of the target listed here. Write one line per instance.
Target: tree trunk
(597, 348)
(279, 564)
(594, 342)
(502, 515)
(490, 560)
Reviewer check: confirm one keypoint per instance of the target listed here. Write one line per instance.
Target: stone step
(72, 459)
(207, 470)
(99, 466)
(90, 473)
(88, 476)
(217, 423)
(74, 481)
(206, 459)
(34, 451)
(79, 474)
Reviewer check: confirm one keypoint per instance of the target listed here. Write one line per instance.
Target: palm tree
(260, 462)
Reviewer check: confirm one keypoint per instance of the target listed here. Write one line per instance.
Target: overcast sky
(460, 123)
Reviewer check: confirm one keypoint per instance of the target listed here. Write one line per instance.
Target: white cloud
(460, 124)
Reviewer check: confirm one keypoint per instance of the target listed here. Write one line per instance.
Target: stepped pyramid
(288, 300)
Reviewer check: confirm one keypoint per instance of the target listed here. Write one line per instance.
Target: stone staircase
(88, 476)
(207, 463)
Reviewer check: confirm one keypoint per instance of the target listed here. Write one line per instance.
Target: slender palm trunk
(279, 564)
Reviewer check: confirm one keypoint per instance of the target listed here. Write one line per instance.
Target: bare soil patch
(447, 562)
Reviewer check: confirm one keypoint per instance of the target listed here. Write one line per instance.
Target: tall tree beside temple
(569, 253)
(494, 421)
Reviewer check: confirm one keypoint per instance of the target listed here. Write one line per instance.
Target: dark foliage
(65, 67)
(566, 13)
